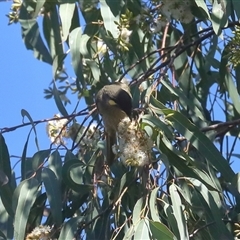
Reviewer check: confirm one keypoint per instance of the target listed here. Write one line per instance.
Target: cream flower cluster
(57, 130)
(177, 9)
(158, 24)
(124, 33)
(134, 145)
(40, 233)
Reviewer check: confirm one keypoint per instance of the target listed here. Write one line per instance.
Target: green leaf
(129, 233)
(153, 205)
(115, 6)
(53, 190)
(72, 173)
(55, 164)
(75, 39)
(200, 142)
(126, 178)
(142, 230)
(236, 7)
(178, 212)
(28, 193)
(69, 156)
(213, 210)
(201, 4)
(5, 164)
(38, 159)
(94, 68)
(3, 178)
(2, 236)
(58, 101)
(25, 113)
(6, 222)
(110, 17)
(186, 103)
(32, 38)
(39, 5)
(171, 220)
(66, 11)
(137, 211)
(160, 231)
(181, 161)
(218, 16)
(52, 34)
(226, 80)
(69, 228)
(6, 193)
(232, 90)
(24, 158)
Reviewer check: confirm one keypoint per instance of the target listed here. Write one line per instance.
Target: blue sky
(23, 79)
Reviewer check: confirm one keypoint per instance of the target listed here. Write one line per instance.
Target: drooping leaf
(27, 196)
(38, 158)
(137, 211)
(152, 205)
(142, 230)
(212, 210)
(109, 16)
(72, 173)
(178, 212)
(66, 11)
(75, 39)
(32, 38)
(52, 34)
(201, 4)
(69, 228)
(5, 165)
(39, 5)
(55, 164)
(219, 15)
(26, 114)
(53, 190)
(160, 231)
(58, 101)
(201, 142)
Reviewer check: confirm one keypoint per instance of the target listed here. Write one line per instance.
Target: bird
(114, 103)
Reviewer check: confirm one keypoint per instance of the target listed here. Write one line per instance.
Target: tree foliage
(180, 58)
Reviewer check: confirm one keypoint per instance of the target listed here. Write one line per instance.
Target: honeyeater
(114, 103)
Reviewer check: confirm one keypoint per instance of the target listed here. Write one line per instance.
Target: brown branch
(179, 49)
(9, 129)
(228, 124)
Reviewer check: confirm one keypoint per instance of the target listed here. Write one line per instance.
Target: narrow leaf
(26, 199)
(142, 230)
(32, 38)
(160, 231)
(200, 142)
(75, 39)
(201, 4)
(66, 11)
(152, 205)
(39, 5)
(69, 228)
(53, 191)
(55, 164)
(25, 113)
(109, 18)
(137, 211)
(5, 164)
(58, 101)
(178, 212)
